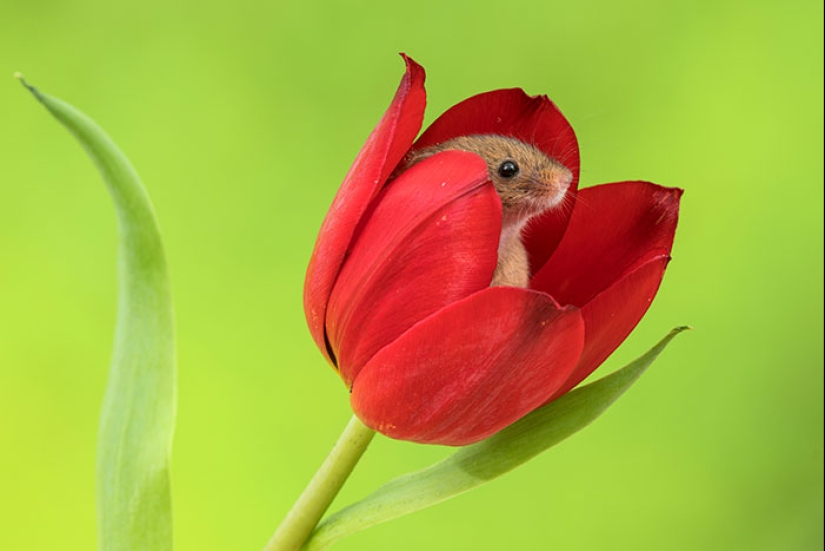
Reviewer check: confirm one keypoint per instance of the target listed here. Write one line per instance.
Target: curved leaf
(138, 413)
(474, 465)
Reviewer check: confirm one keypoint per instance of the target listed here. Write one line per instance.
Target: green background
(243, 117)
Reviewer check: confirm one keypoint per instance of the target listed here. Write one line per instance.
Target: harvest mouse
(528, 183)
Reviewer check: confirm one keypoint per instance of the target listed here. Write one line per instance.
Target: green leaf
(477, 464)
(138, 415)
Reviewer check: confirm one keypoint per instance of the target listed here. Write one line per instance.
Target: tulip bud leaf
(479, 463)
(138, 412)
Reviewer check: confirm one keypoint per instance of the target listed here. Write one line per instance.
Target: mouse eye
(507, 169)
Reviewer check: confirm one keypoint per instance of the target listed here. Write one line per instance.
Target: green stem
(322, 489)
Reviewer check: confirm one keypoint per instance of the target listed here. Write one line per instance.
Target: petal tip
(413, 68)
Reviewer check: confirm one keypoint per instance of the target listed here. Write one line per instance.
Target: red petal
(543, 234)
(431, 240)
(614, 228)
(534, 120)
(471, 369)
(511, 112)
(612, 314)
(385, 147)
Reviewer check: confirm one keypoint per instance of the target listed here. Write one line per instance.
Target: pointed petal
(610, 263)
(614, 228)
(471, 369)
(385, 147)
(613, 314)
(431, 240)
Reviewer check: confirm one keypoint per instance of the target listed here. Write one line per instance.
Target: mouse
(528, 182)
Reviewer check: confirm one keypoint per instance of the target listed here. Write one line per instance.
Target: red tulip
(398, 294)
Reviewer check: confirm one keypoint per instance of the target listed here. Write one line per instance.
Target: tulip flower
(406, 298)
(398, 296)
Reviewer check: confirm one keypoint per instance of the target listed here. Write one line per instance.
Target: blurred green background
(243, 118)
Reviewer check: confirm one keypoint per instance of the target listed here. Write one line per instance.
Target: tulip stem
(322, 489)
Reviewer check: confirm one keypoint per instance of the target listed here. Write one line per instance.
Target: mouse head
(527, 181)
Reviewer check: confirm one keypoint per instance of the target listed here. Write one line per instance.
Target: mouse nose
(556, 177)
(562, 177)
